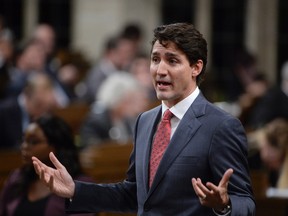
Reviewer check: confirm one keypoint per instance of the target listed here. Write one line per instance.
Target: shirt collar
(181, 107)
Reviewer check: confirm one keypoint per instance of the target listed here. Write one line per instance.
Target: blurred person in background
(6, 61)
(269, 151)
(140, 69)
(133, 33)
(271, 103)
(72, 70)
(29, 58)
(248, 101)
(5, 31)
(244, 77)
(243, 73)
(36, 99)
(117, 56)
(69, 75)
(112, 117)
(46, 34)
(23, 193)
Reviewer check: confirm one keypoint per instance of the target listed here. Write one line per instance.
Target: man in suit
(204, 169)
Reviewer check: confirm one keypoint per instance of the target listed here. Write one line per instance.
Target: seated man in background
(37, 98)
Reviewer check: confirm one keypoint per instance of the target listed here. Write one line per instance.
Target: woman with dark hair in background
(23, 193)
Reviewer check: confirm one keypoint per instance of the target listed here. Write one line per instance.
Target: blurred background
(257, 26)
(87, 61)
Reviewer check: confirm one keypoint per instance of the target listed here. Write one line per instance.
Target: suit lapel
(184, 133)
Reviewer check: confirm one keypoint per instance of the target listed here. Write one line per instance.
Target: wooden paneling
(74, 115)
(106, 164)
(9, 161)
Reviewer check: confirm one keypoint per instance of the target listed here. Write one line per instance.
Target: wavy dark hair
(188, 39)
(59, 135)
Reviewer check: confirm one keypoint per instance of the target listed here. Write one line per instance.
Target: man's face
(173, 76)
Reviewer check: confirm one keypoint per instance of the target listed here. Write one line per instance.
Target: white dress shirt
(180, 109)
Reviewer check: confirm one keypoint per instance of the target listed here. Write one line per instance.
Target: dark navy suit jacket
(10, 124)
(206, 143)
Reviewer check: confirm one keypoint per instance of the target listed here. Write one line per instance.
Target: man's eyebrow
(155, 53)
(169, 54)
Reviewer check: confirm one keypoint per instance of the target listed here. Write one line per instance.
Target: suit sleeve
(116, 197)
(229, 150)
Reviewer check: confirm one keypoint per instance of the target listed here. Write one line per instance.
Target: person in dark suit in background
(273, 104)
(117, 56)
(203, 171)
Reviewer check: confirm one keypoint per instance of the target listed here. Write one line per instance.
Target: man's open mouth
(163, 83)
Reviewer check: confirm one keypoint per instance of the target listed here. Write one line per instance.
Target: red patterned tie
(160, 143)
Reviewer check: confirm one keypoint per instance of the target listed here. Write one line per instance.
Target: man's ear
(197, 68)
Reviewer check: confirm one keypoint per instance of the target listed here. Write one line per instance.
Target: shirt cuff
(222, 214)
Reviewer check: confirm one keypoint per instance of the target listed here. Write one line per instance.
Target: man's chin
(163, 96)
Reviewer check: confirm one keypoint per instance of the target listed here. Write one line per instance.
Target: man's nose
(162, 68)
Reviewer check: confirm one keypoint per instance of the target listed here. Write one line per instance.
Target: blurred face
(172, 75)
(34, 57)
(68, 75)
(271, 156)
(134, 103)
(122, 56)
(46, 35)
(35, 144)
(140, 69)
(6, 49)
(43, 99)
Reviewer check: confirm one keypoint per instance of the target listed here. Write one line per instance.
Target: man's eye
(172, 61)
(155, 59)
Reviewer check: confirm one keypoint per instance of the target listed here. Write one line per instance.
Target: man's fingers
(226, 177)
(212, 187)
(42, 175)
(198, 188)
(203, 188)
(55, 161)
(51, 182)
(36, 167)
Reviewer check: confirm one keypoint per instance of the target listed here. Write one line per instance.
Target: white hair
(116, 87)
(284, 71)
(284, 76)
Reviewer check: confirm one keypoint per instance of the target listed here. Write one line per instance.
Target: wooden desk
(9, 161)
(271, 207)
(106, 163)
(74, 115)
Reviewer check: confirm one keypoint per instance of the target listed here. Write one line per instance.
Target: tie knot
(167, 115)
